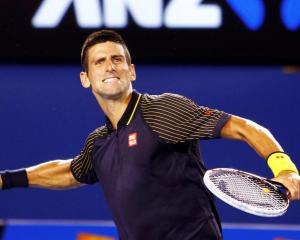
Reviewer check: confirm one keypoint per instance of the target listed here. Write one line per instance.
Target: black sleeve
(178, 119)
(81, 166)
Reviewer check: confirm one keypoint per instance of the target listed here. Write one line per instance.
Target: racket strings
(248, 190)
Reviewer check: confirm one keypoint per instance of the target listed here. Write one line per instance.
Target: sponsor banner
(157, 31)
(97, 230)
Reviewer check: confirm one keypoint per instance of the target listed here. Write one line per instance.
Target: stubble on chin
(113, 94)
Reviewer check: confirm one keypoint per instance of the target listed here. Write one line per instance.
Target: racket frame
(241, 206)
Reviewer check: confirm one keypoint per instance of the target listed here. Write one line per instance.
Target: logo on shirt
(208, 112)
(132, 139)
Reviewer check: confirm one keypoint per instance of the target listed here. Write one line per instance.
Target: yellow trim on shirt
(134, 110)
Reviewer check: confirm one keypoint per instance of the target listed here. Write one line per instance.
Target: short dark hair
(101, 37)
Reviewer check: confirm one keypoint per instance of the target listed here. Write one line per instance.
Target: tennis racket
(248, 192)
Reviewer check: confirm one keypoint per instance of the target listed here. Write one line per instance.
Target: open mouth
(110, 80)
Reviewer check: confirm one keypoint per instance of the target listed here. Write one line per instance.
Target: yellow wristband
(279, 162)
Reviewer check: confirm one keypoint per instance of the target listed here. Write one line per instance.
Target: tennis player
(146, 155)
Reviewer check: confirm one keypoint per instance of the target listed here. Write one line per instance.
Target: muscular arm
(258, 137)
(263, 142)
(51, 175)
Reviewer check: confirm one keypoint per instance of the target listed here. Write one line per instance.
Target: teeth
(109, 80)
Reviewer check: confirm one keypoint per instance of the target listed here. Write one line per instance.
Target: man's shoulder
(162, 98)
(101, 131)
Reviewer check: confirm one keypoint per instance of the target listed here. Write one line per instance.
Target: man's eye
(118, 60)
(99, 62)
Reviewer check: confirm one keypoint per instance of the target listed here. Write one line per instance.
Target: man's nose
(110, 65)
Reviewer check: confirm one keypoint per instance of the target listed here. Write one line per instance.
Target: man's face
(109, 75)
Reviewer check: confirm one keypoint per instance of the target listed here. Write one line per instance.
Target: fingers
(292, 182)
(295, 189)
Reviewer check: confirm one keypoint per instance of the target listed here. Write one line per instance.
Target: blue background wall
(45, 114)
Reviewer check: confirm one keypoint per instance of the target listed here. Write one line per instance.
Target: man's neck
(115, 108)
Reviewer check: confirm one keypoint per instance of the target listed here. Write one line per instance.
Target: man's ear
(132, 72)
(85, 82)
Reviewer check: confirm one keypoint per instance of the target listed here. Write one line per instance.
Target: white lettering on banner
(145, 13)
(88, 13)
(192, 14)
(51, 12)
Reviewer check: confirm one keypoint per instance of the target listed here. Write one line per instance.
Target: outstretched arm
(54, 174)
(263, 142)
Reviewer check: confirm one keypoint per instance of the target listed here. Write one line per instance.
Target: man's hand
(291, 181)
